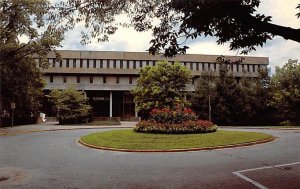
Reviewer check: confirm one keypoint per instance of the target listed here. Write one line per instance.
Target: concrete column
(110, 104)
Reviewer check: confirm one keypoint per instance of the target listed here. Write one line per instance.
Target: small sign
(13, 105)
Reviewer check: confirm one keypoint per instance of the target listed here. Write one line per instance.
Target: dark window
(51, 78)
(258, 67)
(231, 67)
(91, 79)
(65, 79)
(215, 66)
(203, 66)
(60, 63)
(253, 68)
(154, 63)
(87, 63)
(197, 66)
(134, 64)
(130, 80)
(74, 63)
(108, 65)
(67, 64)
(94, 63)
(147, 62)
(53, 63)
(243, 67)
(115, 63)
(101, 63)
(184, 63)
(81, 63)
(127, 64)
(104, 79)
(208, 66)
(191, 65)
(248, 67)
(193, 81)
(121, 63)
(78, 79)
(117, 79)
(141, 63)
(237, 67)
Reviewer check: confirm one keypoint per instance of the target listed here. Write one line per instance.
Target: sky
(278, 50)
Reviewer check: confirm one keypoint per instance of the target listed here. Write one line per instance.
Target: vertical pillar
(110, 104)
(135, 112)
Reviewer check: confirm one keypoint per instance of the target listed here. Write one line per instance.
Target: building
(108, 77)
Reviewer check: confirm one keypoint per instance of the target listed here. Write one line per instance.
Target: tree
(285, 87)
(21, 81)
(234, 101)
(71, 105)
(161, 86)
(174, 21)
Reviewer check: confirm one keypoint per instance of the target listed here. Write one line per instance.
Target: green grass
(103, 123)
(128, 139)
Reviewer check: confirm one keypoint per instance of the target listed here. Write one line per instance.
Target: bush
(199, 126)
(174, 121)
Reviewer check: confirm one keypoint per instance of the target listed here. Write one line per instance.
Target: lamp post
(12, 106)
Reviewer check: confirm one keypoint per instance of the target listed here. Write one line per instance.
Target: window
(108, 65)
(127, 64)
(91, 79)
(193, 81)
(243, 67)
(104, 79)
(78, 79)
(237, 67)
(203, 66)
(208, 66)
(141, 64)
(134, 64)
(94, 63)
(88, 63)
(197, 66)
(115, 63)
(184, 63)
(231, 66)
(65, 79)
(215, 66)
(74, 63)
(81, 63)
(101, 63)
(67, 64)
(121, 63)
(130, 80)
(117, 79)
(60, 63)
(248, 67)
(258, 67)
(51, 78)
(147, 62)
(191, 65)
(154, 63)
(53, 62)
(253, 68)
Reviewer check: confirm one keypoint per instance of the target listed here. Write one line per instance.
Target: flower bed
(177, 121)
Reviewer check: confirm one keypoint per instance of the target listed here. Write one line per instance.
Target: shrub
(199, 126)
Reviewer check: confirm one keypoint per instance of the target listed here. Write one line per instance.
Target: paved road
(55, 160)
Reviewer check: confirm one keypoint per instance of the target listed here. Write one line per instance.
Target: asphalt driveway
(55, 160)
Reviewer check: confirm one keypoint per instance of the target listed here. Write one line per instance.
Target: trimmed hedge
(190, 126)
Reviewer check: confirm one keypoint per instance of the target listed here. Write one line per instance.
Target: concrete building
(108, 77)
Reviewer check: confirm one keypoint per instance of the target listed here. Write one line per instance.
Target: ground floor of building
(104, 104)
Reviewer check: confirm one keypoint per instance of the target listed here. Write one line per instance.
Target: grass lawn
(128, 139)
(103, 123)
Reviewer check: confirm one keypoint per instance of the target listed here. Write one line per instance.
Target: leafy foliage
(20, 74)
(161, 86)
(232, 102)
(71, 105)
(285, 87)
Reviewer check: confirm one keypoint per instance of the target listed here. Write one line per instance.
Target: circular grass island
(129, 140)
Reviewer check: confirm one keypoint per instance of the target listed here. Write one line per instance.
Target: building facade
(108, 77)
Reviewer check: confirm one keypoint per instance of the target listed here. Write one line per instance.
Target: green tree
(20, 72)
(285, 87)
(71, 105)
(234, 101)
(160, 86)
(174, 21)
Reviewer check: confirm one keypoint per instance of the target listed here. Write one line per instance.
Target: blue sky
(278, 50)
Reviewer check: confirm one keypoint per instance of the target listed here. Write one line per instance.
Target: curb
(181, 150)
(47, 130)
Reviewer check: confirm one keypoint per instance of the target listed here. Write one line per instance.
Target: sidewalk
(53, 126)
